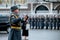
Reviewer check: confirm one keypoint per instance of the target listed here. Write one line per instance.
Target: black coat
(24, 31)
(24, 25)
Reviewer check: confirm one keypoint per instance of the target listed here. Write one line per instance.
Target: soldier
(47, 21)
(15, 33)
(30, 21)
(55, 21)
(33, 22)
(58, 22)
(38, 22)
(51, 22)
(42, 22)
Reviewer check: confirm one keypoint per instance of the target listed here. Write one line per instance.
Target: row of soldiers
(41, 22)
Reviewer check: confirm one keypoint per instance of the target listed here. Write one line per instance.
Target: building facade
(31, 7)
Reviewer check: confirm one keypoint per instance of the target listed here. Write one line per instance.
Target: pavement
(38, 35)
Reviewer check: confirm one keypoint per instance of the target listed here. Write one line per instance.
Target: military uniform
(15, 33)
(47, 22)
(30, 22)
(51, 23)
(38, 23)
(42, 23)
(35, 23)
(55, 21)
(58, 23)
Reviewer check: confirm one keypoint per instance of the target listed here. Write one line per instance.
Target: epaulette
(14, 15)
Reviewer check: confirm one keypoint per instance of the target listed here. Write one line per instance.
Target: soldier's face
(16, 11)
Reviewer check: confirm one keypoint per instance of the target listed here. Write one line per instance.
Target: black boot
(58, 28)
(42, 27)
(46, 27)
(51, 28)
(54, 28)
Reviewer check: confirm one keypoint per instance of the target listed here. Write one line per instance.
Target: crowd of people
(48, 22)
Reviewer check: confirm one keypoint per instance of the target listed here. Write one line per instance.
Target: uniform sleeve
(14, 20)
(22, 21)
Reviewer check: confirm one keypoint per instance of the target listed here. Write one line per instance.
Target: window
(41, 8)
(2, 3)
(19, 2)
(22, 3)
(9, 3)
(5, 3)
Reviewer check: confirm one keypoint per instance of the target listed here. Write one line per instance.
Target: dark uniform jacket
(15, 33)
